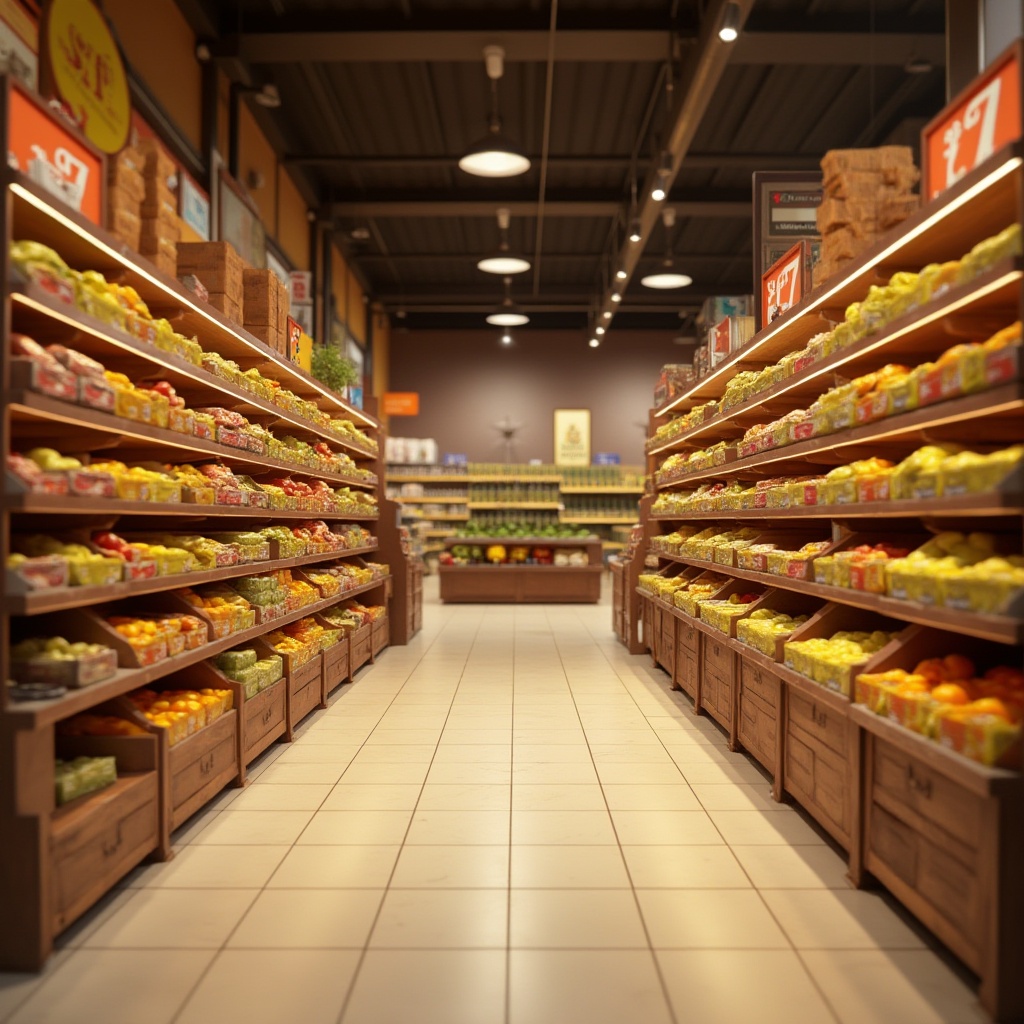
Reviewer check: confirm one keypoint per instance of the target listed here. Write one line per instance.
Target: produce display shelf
(29, 407)
(38, 314)
(510, 567)
(547, 542)
(36, 714)
(1001, 629)
(55, 504)
(1000, 405)
(441, 517)
(512, 478)
(991, 504)
(400, 478)
(39, 602)
(426, 499)
(603, 490)
(536, 506)
(599, 520)
(82, 243)
(911, 338)
(978, 205)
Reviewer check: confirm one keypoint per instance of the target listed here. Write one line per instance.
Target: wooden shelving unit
(941, 832)
(54, 863)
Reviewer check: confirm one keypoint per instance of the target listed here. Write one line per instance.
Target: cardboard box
(125, 174)
(216, 264)
(159, 202)
(159, 231)
(126, 225)
(227, 305)
(260, 296)
(159, 169)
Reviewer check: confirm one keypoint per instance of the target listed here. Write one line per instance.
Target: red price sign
(984, 117)
(784, 284)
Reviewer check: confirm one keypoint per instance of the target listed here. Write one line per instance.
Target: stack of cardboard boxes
(161, 228)
(125, 196)
(219, 267)
(867, 192)
(265, 308)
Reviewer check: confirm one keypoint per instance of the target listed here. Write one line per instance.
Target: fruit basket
(57, 662)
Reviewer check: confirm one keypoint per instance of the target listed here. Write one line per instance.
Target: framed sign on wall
(240, 224)
(572, 437)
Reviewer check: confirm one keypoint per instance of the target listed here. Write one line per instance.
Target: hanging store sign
(401, 403)
(572, 437)
(84, 67)
(52, 155)
(982, 119)
(786, 282)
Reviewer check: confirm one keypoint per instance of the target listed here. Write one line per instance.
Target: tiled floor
(510, 820)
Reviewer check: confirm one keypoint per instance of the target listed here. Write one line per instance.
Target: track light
(635, 231)
(503, 260)
(620, 274)
(495, 155)
(661, 183)
(593, 343)
(599, 330)
(508, 314)
(616, 297)
(607, 314)
(729, 29)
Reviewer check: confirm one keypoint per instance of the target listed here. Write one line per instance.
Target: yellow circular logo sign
(88, 72)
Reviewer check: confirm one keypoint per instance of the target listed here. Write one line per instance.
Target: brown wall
(467, 381)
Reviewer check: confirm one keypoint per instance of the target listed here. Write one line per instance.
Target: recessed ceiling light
(594, 343)
(666, 279)
(616, 297)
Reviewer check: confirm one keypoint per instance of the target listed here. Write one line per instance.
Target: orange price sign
(401, 403)
(984, 117)
(52, 156)
(783, 284)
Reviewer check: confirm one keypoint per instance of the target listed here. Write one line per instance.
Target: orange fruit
(931, 668)
(958, 667)
(950, 693)
(990, 706)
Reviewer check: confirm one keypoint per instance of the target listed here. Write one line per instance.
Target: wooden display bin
(360, 648)
(665, 637)
(335, 664)
(305, 691)
(758, 696)
(618, 599)
(96, 840)
(717, 693)
(380, 630)
(686, 676)
(196, 769)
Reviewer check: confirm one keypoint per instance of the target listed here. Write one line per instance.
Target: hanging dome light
(508, 314)
(667, 276)
(503, 260)
(495, 155)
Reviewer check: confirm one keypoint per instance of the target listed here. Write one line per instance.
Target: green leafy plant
(332, 369)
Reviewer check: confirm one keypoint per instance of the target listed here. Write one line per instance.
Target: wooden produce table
(522, 584)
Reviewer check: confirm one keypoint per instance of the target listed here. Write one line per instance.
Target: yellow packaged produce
(970, 473)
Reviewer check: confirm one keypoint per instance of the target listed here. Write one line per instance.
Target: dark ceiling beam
(577, 45)
(434, 258)
(384, 208)
(574, 303)
(693, 161)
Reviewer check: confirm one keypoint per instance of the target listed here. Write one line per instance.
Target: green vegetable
(332, 369)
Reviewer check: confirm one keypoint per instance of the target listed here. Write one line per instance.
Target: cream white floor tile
(528, 796)
(17, 986)
(308, 919)
(751, 828)
(554, 772)
(254, 828)
(340, 731)
(631, 774)
(709, 919)
(395, 753)
(212, 867)
(452, 867)
(656, 828)
(122, 986)
(442, 919)
(108, 906)
(406, 719)
(187, 833)
(574, 736)
(270, 986)
(336, 867)
(464, 986)
(539, 753)
(316, 753)
(458, 774)
(629, 753)
(475, 828)
(654, 797)
(534, 719)
(465, 797)
(737, 797)
(270, 797)
(684, 867)
(568, 867)
(371, 774)
(173, 919)
(355, 797)
(575, 919)
(585, 987)
(533, 828)
(474, 737)
(704, 985)
(314, 735)
(677, 733)
(604, 699)
(474, 753)
(302, 774)
(402, 737)
(721, 773)
(618, 737)
(703, 753)
(342, 828)
(834, 919)
(793, 867)
(876, 987)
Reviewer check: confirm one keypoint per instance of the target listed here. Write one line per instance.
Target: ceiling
(381, 97)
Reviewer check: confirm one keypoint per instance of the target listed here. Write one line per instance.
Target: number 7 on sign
(981, 113)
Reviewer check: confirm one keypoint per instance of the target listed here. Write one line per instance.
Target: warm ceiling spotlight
(503, 260)
(661, 182)
(495, 155)
(607, 314)
(635, 232)
(599, 330)
(593, 343)
(506, 338)
(667, 276)
(729, 29)
(508, 314)
(616, 297)
(620, 274)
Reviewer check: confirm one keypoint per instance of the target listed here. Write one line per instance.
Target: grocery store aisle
(510, 820)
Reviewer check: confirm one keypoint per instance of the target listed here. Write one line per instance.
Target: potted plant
(332, 369)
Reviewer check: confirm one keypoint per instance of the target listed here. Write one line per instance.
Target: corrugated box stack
(867, 192)
(125, 195)
(265, 306)
(220, 269)
(160, 226)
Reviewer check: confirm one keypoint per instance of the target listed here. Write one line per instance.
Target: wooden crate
(360, 648)
(718, 679)
(305, 691)
(96, 840)
(216, 264)
(198, 768)
(335, 664)
(686, 676)
(757, 712)
(380, 630)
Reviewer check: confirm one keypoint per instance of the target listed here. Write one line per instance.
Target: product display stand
(56, 862)
(942, 832)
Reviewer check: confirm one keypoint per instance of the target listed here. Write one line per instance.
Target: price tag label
(784, 284)
(984, 117)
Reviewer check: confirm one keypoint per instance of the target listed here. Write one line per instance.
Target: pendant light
(729, 28)
(503, 260)
(667, 276)
(495, 155)
(508, 314)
